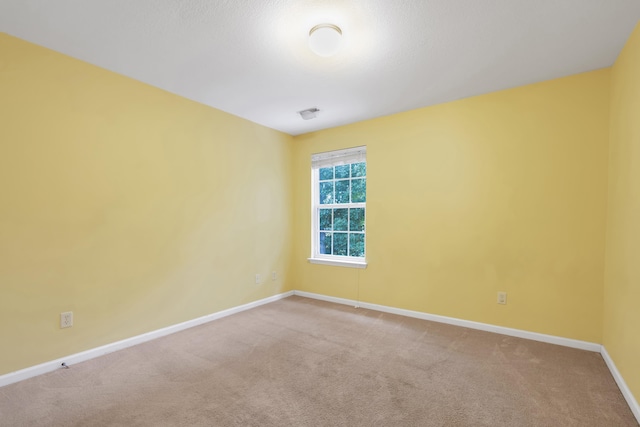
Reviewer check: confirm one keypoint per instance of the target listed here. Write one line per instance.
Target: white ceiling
(250, 57)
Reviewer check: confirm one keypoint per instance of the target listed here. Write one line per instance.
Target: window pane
(358, 190)
(342, 171)
(342, 191)
(358, 169)
(356, 219)
(356, 244)
(326, 173)
(340, 219)
(325, 220)
(340, 243)
(326, 192)
(325, 243)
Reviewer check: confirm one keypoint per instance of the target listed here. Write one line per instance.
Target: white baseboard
(626, 392)
(567, 342)
(551, 339)
(52, 365)
(43, 368)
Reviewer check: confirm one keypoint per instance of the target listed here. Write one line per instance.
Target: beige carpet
(301, 362)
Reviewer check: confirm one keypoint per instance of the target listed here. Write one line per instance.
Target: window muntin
(339, 205)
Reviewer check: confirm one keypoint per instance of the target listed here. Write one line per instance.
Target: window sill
(338, 263)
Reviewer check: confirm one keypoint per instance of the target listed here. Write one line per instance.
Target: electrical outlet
(258, 279)
(274, 276)
(502, 297)
(66, 319)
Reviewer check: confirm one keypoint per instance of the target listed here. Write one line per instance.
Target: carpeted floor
(301, 362)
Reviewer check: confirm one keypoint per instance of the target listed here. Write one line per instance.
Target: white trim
(551, 339)
(626, 392)
(338, 263)
(43, 368)
(50, 366)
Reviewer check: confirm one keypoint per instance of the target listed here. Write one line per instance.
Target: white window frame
(318, 161)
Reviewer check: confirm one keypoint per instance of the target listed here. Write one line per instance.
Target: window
(338, 207)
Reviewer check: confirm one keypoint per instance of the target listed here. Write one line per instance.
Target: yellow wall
(132, 207)
(622, 279)
(138, 209)
(505, 191)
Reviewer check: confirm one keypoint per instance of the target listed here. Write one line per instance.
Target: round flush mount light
(325, 39)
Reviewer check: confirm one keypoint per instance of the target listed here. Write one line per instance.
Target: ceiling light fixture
(325, 39)
(308, 114)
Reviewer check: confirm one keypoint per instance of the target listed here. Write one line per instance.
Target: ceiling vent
(308, 114)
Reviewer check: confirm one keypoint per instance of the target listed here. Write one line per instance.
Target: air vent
(308, 114)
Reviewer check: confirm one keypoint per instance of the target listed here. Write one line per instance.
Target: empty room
(320, 213)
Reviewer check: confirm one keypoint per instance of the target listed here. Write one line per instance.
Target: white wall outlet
(258, 279)
(502, 297)
(66, 319)
(274, 275)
